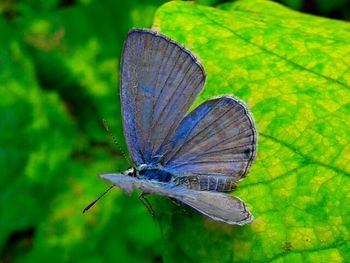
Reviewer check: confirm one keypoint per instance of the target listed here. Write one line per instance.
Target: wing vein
(195, 135)
(204, 139)
(184, 87)
(201, 118)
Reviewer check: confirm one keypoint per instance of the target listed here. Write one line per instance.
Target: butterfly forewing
(159, 82)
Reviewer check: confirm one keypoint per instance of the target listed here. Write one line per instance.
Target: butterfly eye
(130, 172)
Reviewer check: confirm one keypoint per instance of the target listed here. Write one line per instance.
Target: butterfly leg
(147, 204)
(175, 202)
(180, 205)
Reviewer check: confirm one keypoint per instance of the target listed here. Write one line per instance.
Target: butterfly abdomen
(206, 183)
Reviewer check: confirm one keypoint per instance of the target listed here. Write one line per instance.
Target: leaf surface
(292, 70)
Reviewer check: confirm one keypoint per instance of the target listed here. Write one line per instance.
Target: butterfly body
(193, 157)
(155, 174)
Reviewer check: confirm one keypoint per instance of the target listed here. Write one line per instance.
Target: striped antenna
(95, 201)
(105, 124)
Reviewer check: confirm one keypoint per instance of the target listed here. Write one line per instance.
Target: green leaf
(292, 70)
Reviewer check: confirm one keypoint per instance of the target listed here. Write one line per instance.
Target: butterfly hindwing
(159, 82)
(218, 206)
(215, 205)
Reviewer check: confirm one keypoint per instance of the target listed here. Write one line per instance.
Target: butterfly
(193, 157)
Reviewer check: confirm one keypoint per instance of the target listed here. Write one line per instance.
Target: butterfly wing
(160, 80)
(213, 146)
(218, 206)
(215, 205)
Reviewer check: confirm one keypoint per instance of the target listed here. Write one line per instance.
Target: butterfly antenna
(106, 126)
(95, 201)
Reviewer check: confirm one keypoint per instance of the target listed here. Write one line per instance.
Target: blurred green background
(59, 76)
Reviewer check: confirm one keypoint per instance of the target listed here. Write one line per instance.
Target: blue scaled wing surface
(213, 146)
(160, 80)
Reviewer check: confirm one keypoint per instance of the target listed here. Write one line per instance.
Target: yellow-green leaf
(293, 72)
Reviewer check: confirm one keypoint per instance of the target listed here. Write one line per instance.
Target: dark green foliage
(59, 77)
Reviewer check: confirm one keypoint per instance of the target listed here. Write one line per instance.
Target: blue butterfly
(191, 157)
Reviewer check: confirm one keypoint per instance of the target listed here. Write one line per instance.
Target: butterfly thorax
(150, 172)
(155, 174)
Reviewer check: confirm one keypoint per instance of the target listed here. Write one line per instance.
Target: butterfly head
(134, 172)
(131, 172)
